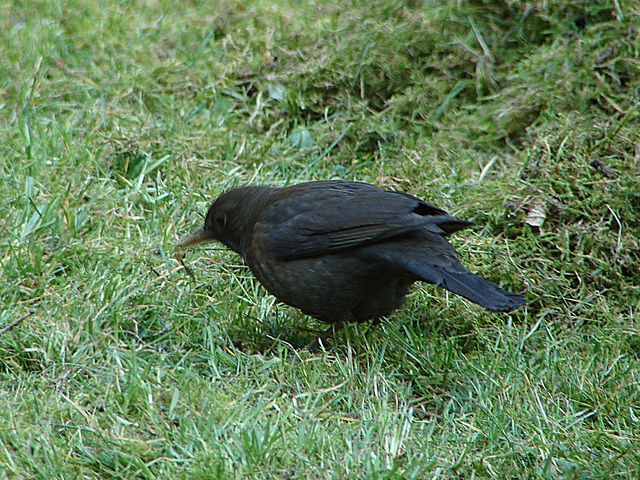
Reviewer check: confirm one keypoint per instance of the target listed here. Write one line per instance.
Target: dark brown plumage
(344, 251)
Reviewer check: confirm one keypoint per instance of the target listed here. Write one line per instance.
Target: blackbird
(344, 251)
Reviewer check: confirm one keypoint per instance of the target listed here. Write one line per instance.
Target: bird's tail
(480, 291)
(453, 276)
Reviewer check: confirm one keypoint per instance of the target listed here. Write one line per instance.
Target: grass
(120, 122)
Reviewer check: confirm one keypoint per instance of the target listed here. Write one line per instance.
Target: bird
(344, 251)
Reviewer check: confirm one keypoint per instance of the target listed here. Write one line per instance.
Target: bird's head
(231, 218)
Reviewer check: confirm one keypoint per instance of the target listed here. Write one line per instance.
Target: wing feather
(320, 218)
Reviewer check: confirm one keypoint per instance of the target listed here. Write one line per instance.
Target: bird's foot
(314, 344)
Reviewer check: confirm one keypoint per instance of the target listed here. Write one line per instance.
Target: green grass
(121, 121)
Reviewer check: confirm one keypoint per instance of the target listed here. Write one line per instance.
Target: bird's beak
(200, 236)
(197, 238)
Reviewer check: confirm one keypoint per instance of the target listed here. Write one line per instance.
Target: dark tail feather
(457, 279)
(481, 291)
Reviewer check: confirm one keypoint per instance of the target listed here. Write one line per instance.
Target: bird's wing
(332, 216)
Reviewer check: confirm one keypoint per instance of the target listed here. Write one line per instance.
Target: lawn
(121, 121)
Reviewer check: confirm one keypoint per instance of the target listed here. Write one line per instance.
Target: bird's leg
(314, 344)
(374, 323)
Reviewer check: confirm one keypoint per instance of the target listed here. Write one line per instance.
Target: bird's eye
(220, 221)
